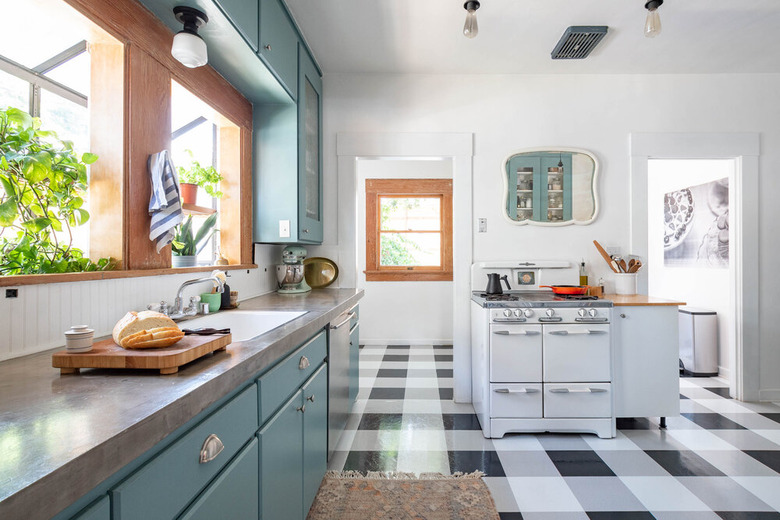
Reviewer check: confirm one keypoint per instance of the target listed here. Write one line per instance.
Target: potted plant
(44, 184)
(187, 244)
(207, 178)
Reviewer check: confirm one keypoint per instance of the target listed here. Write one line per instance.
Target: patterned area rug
(403, 496)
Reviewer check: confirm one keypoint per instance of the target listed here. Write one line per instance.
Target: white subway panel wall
(37, 318)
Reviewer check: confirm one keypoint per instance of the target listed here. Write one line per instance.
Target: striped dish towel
(164, 204)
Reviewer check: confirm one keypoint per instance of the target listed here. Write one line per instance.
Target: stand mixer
(290, 273)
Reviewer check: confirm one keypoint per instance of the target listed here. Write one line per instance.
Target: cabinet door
(354, 363)
(315, 434)
(234, 493)
(244, 16)
(524, 181)
(309, 146)
(100, 510)
(281, 462)
(279, 44)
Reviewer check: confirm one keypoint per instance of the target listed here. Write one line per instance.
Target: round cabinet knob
(518, 313)
(267, 46)
(593, 313)
(528, 313)
(507, 313)
(550, 312)
(581, 312)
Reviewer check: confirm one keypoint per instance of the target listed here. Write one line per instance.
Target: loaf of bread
(146, 329)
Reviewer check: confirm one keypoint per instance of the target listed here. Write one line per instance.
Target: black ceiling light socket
(652, 5)
(471, 5)
(190, 17)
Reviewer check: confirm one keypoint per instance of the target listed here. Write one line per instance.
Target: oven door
(576, 353)
(515, 353)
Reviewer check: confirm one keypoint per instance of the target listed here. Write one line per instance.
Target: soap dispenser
(225, 300)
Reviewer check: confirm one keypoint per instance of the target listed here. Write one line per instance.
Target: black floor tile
(684, 463)
(774, 416)
(399, 347)
(510, 516)
(380, 421)
(460, 421)
(445, 393)
(768, 458)
(469, 461)
(391, 372)
(387, 393)
(578, 463)
(634, 423)
(396, 357)
(723, 392)
(713, 421)
(443, 372)
(748, 515)
(371, 461)
(620, 515)
(442, 357)
(443, 347)
(683, 397)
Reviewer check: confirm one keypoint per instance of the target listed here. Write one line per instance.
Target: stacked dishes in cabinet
(525, 191)
(554, 194)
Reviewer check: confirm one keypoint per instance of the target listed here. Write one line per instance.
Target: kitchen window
(408, 230)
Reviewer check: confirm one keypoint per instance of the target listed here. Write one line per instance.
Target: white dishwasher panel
(515, 401)
(515, 353)
(578, 400)
(576, 353)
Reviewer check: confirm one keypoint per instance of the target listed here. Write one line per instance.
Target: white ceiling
(517, 36)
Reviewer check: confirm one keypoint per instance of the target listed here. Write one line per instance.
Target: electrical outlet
(12, 293)
(482, 225)
(284, 229)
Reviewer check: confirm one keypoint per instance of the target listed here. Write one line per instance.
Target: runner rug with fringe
(350, 495)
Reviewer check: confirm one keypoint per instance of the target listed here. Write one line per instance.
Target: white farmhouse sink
(243, 325)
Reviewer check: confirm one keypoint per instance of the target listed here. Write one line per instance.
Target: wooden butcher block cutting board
(107, 354)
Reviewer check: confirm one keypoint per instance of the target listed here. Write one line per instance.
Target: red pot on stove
(568, 289)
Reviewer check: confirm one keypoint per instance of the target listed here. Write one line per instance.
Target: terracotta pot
(189, 193)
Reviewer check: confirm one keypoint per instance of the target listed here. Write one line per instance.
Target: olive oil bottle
(583, 274)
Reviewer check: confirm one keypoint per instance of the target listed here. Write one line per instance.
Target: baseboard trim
(396, 341)
(772, 394)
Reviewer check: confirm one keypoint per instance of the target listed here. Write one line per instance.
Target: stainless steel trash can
(698, 341)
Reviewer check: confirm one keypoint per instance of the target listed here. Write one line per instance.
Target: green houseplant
(187, 244)
(44, 184)
(207, 178)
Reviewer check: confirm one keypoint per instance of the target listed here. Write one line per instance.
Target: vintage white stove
(540, 362)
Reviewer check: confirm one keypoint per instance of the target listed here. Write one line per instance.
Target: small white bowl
(79, 338)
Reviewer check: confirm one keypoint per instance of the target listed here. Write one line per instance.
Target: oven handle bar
(577, 390)
(520, 391)
(575, 332)
(516, 333)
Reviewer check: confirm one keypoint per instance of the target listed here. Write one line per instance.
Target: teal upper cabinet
(309, 147)
(279, 43)
(244, 17)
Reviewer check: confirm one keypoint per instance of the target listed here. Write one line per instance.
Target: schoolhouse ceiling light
(188, 47)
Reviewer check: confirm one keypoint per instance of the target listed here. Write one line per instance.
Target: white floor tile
(700, 440)
(765, 488)
(663, 494)
(543, 494)
(723, 405)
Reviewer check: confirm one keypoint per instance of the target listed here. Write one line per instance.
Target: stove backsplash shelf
(525, 275)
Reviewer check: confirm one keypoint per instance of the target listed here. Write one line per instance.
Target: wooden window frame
(412, 188)
(148, 69)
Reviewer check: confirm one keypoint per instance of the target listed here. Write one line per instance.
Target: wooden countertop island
(637, 300)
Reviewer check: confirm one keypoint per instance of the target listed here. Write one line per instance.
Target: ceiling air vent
(577, 42)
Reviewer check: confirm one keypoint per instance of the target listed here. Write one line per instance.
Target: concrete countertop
(58, 432)
(638, 300)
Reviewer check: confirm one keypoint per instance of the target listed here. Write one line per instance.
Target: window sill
(408, 276)
(35, 279)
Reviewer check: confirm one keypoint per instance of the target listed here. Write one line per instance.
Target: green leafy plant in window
(207, 178)
(44, 183)
(186, 242)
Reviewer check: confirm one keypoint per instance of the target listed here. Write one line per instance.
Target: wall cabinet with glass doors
(540, 187)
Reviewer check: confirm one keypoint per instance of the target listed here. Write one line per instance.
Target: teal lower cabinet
(293, 452)
(234, 493)
(100, 510)
(354, 362)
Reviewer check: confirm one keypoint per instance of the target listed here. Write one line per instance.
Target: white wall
(705, 288)
(391, 312)
(594, 112)
(37, 319)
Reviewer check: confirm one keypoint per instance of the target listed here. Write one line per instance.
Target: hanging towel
(164, 204)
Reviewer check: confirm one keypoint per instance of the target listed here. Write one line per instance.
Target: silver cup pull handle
(212, 447)
(304, 363)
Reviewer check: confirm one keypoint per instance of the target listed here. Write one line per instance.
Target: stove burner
(562, 297)
(500, 297)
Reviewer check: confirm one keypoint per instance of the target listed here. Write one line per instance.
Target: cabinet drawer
(578, 400)
(515, 400)
(576, 353)
(101, 510)
(515, 353)
(284, 379)
(168, 482)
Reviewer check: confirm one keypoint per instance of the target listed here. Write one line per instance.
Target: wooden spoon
(605, 255)
(615, 266)
(622, 264)
(631, 264)
(636, 267)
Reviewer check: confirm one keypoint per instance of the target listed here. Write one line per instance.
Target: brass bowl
(320, 272)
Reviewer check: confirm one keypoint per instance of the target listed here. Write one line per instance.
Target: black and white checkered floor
(719, 459)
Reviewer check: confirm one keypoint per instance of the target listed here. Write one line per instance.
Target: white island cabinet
(646, 362)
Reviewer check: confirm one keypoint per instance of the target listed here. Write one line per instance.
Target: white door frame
(744, 149)
(456, 146)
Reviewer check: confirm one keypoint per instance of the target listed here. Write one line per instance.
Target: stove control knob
(593, 313)
(550, 313)
(528, 313)
(518, 313)
(581, 312)
(508, 313)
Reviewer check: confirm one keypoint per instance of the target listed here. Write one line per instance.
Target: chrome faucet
(178, 310)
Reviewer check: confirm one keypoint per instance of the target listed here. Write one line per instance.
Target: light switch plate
(284, 229)
(482, 225)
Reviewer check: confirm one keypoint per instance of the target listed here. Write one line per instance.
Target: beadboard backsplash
(37, 319)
